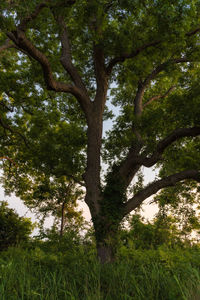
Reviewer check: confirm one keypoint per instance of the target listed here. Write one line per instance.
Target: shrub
(13, 228)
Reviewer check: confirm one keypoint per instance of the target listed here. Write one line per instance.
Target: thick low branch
(166, 142)
(133, 161)
(154, 187)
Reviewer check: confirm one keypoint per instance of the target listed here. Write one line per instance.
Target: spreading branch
(133, 161)
(24, 23)
(193, 32)
(26, 46)
(142, 85)
(162, 67)
(20, 39)
(66, 58)
(154, 187)
(47, 3)
(8, 158)
(125, 56)
(166, 142)
(159, 96)
(8, 128)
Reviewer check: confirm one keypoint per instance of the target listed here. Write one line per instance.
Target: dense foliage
(14, 230)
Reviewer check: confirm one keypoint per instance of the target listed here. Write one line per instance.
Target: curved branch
(133, 161)
(7, 127)
(23, 24)
(162, 145)
(47, 3)
(159, 96)
(125, 56)
(143, 85)
(23, 44)
(66, 58)
(20, 39)
(154, 187)
(9, 159)
(190, 33)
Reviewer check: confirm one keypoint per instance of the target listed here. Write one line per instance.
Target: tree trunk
(105, 254)
(62, 219)
(106, 234)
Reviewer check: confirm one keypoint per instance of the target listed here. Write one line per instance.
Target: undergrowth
(40, 272)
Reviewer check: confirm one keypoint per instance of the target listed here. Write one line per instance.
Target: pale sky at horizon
(149, 210)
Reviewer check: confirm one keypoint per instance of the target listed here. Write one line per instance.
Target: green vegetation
(152, 263)
(13, 229)
(46, 272)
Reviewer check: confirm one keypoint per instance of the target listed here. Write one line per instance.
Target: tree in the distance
(145, 53)
(13, 228)
(37, 172)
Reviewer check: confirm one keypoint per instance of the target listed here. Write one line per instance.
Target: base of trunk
(105, 254)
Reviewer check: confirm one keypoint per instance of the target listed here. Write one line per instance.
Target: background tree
(36, 175)
(56, 197)
(181, 202)
(143, 234)
(146, 55)
(13, 229)
(164, 230)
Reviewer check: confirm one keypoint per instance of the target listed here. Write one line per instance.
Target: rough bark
(106, 234)
(105, 254)
(92, 173)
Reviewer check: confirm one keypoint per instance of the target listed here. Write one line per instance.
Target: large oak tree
(141, 55)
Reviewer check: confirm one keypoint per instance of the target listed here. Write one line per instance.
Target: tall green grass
(76, 274)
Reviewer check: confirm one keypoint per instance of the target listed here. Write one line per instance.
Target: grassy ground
(40, 273)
